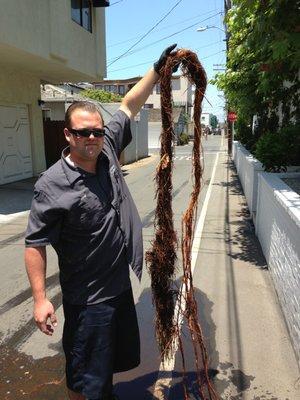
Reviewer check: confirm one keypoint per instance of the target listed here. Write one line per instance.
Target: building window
(99, 87)
(157, 88)
(81, 12)
(113, 88)
(121, 90)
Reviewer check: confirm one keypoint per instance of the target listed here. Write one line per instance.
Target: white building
(181, 93)
(181, 90)
(205, 119)
(41, 41)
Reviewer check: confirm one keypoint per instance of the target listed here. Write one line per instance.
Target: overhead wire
(161, 39)
(151, 61)
(147, 33)
(165, 27)
(116, 2)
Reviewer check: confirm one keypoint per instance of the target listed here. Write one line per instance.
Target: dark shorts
(98, 340)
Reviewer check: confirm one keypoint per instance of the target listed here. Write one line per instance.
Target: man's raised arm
(137, 96)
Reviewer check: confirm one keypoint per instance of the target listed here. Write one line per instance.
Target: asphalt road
(32, 364)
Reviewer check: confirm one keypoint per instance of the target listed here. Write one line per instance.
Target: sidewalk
(15, 201)
(248, 342)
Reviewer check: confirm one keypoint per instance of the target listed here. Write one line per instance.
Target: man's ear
(67, 134)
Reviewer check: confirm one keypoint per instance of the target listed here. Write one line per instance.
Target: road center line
(164, 377)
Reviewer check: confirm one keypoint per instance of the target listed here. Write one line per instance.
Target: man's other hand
(43, 314)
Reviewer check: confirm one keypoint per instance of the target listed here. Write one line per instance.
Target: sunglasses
(97, 132)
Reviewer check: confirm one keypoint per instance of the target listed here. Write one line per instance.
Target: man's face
(85, 148)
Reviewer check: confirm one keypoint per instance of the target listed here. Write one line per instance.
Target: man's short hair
(82, 105)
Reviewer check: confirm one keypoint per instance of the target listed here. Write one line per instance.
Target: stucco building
(182, 90)
(181, 93)
(116, 86)
(42, 41)
(205, 119)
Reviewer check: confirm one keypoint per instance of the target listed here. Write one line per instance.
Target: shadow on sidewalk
(16, 196)
(241, 240)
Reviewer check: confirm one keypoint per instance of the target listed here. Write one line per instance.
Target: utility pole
(227, 7)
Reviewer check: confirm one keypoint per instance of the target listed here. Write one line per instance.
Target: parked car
(216, 131)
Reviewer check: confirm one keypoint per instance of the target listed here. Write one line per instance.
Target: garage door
(15, 147)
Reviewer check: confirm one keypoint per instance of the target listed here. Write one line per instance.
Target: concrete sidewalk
(15, 201)
(247, 339)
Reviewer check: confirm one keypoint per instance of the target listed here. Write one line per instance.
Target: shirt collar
(74, 173)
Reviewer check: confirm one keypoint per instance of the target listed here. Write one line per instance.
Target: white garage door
(15, 147)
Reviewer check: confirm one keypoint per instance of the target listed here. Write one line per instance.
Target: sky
(127, 21)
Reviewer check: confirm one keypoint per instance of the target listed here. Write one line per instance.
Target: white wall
(205, 119)
(278, 230)
(142, 138)
(41, 36)
(248, 169)
(57, 112)
(138, 148)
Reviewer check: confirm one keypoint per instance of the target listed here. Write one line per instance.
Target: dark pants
(98, 340)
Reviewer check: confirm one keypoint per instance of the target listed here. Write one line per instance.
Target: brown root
(162, 257)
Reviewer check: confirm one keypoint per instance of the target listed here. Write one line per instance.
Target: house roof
(127, 80)
(54, 93)
(118, 81)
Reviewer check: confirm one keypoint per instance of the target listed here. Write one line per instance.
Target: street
(230, 66)
(238, 309)
(32, 364)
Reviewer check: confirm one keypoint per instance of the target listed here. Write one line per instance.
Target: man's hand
(136, 97)
(44, 310)
(163, 58)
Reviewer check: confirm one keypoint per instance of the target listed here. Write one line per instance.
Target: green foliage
(243, 133)
(183, 139)
(213, 121)
(263, 61)
(101, 95)
(278, 150)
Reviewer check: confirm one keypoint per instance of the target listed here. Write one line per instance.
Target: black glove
(162, 59)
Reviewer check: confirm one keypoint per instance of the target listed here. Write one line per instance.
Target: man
(83, 208)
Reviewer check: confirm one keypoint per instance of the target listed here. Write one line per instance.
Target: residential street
(246, 337)
(72, 75)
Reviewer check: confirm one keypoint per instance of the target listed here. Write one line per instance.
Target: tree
(101, 95)
(262, 75)
(213, 121)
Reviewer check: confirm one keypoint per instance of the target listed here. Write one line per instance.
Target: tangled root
(162, 257)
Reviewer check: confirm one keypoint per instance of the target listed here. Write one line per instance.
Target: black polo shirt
(90, 220)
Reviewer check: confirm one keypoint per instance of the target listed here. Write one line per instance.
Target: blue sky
(128, 20)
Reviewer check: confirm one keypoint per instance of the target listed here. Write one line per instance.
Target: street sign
(232, 116)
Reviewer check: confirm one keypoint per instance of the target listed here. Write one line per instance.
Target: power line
(165, 27)
(151, 61)
(116, 2)
(204, 58)
(147, 33)
(166, 37)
